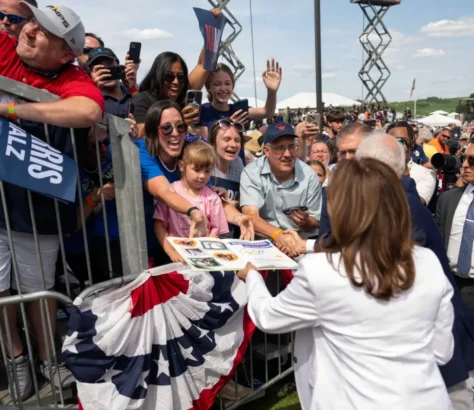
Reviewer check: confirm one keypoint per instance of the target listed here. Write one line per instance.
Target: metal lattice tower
(375, 39)
(226, 51)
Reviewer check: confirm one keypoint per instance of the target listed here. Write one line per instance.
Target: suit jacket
(445, 209)
(427, 234)
(360, 352)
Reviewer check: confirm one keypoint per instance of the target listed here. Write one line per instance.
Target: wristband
(90, 202)
(11, 112)
(132, 90)
(276, 233)
(190, 210)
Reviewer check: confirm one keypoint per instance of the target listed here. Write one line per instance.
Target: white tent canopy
(439, 112)
(438, 120)
(454, 115)
(304, 100)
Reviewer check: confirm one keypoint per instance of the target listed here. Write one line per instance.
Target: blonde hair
(199, 154)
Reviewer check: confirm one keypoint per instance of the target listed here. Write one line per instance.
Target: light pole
(317, 38)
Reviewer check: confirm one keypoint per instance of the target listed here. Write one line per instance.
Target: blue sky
(432, 41)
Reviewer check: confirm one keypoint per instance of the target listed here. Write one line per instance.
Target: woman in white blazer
(372, 312)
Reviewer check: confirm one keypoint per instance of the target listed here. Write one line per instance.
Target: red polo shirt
(72, 81)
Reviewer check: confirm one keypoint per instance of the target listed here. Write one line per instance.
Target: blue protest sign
(31, 163)
(211, 28)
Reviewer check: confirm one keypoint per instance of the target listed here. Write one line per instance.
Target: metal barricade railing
(133, 248)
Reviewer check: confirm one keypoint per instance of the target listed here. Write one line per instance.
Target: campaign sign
(211, 28)
(31, 163)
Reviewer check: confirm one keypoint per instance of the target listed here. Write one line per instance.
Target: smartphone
(117, 72)
(288, 211)
(241, 105)
(194, 98)
(134, 52)
(131, 109)
(314, 119)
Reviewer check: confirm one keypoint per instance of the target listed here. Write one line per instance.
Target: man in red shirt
(42, 57)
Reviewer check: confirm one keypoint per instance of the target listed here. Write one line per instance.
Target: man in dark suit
(455, 218)
(426, 234)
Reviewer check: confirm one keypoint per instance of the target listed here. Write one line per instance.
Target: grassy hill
(426, 106)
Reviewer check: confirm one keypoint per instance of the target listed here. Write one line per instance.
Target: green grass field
(425, 107)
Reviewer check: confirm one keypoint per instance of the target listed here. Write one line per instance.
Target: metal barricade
(133, 250)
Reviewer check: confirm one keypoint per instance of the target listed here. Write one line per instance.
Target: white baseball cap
(63, 23)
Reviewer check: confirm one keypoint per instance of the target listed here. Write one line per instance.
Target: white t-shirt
(425, 180)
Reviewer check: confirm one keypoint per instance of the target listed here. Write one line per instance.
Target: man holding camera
(118, 83)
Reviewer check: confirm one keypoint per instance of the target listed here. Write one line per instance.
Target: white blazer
(353, 351)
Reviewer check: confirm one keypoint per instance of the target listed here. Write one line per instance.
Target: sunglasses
(103, 143)
(226, 124)
(448, 137)
(13, 18)
(403, 141)
(167, 128)
(87, 50)
(170, 77)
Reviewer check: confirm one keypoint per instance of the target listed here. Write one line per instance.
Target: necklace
(164, 165)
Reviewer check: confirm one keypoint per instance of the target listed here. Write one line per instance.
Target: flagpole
(415, 108)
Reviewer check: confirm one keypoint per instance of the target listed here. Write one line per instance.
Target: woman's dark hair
(154, 81)
(318, 163)
(404, 124)
(220, 67)
(371, 227)
(153, 120)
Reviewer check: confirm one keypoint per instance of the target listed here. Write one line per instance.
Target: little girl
(196, 167)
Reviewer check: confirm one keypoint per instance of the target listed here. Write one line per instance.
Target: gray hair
(386, 149)
(426, 134)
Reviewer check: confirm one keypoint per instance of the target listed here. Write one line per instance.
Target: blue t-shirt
(418, 155)
(151, 167)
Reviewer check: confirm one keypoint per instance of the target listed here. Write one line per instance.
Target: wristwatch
(190, 210)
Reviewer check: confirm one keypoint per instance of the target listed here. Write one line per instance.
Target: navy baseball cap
(277, 130)
(99, 53)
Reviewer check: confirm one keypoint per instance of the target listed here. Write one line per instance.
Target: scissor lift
(226, 51)
(375, 39)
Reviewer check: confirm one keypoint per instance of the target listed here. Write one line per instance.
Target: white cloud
(328, 76)
(463, 27)
(429, 52)
(147, 34)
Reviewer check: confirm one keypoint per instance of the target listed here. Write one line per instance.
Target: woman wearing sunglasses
(220, 86)
(13, 16)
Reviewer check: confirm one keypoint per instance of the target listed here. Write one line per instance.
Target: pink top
(208, 202)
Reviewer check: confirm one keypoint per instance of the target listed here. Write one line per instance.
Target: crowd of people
(383, 309)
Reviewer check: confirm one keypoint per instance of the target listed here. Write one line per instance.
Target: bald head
(386, 149)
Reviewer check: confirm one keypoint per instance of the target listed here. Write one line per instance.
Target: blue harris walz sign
(31, 163)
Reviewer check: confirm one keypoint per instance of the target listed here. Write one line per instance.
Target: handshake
(290, 243)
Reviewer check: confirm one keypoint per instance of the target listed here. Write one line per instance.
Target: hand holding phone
(289, 211)
(117, 72)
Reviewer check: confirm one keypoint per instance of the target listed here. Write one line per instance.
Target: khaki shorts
(29, 270)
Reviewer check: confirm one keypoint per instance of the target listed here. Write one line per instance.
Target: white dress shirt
(355, 352)
(455, 236)
(425, 180)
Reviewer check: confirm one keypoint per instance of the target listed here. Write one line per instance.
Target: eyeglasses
(170, 77)
(281, 149)
(13, 18)
(103, 143)
(448, 137)
(226, 124)
(346, 152)
(87, 50)
(168, 127)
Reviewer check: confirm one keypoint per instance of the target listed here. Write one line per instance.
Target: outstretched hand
(272, 75)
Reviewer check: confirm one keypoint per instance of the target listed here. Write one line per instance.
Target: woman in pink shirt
(196, 167)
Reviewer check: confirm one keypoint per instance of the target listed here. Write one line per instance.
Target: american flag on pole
(413, 87)
(170, 340)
